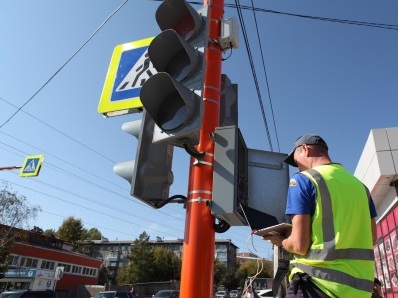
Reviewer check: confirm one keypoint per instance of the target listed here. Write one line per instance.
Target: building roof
(105, 241)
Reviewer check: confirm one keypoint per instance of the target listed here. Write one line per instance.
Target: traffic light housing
(173, 96)
(246, 177)
(150, 174)
(230, 175)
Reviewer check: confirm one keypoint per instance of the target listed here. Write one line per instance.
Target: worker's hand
(275, 239)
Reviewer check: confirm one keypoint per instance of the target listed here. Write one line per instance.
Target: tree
(219, 272)
(49, 232)
(251, 267)
(140, 268)
(149, 265)
(71, 230)
(103, 276)
(91, 234)
(15, 213)
(167, 266)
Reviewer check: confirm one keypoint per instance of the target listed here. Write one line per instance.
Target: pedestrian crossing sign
(31, 166)
(128, 70)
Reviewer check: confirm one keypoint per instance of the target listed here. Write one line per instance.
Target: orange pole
(199, 239)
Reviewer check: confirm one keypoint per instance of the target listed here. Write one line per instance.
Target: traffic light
(247, 180)
(173, 96)
(230, 175)
(150, 173)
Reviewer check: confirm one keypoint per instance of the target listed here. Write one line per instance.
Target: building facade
(244, 256)
(115, 253)
(41, 262)
(378, 170)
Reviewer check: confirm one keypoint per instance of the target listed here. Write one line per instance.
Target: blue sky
(330, 78)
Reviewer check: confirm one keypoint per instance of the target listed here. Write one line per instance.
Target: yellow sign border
(130, 104)
(36, 172)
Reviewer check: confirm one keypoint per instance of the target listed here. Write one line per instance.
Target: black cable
(222, 226)
(56, 168)
(57, 130)
(242, 23)
(169, 200)
(191, 150)
(266, 76)
(88, 208)
(62, 66)
(342, 21)
(230, 54)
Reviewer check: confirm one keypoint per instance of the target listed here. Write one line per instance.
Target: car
(234, 294)
(167, 294)
(113, 294)
(28, 294)
(222, 294)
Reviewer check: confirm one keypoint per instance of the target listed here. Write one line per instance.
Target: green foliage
(219, 273)
(251, 267)
(223, 276)
(15, 212)
(140, 268)
(49, 232)
(71, 230)
(91, 234)
(148, 264)
(167, 266)
(103, 277)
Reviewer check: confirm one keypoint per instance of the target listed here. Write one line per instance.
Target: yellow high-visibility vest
(340, 259)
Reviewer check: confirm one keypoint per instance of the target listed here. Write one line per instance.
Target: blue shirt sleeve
(301, 195)
(372, 207)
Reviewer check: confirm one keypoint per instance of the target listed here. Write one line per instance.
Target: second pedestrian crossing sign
(128, 70)
(31, 166)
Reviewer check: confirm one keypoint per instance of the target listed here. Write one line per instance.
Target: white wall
(378, 167)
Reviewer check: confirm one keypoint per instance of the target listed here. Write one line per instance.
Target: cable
(342, 21)
(90, 182)
(191, 150)
(260, 265)
(91, 224)
(57, 130)
(222, 226)
(93, 210)
(266, 76)
(254, 73)
(169, 200)
(67, 61)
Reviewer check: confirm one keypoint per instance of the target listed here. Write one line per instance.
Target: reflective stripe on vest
(337, 276)
(329, 252)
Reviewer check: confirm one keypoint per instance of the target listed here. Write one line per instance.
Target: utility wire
(60, 132)
(93, 183)
(67, 61)
(49, 154)
(266, 76)
(91, 224)
(93, 210)
(242, 23)
(342, 21)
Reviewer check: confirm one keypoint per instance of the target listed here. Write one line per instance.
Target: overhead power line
(93, 210)
(67, 61)
(342, 21)
(60, 132)
(266, 76)
(242, 23)
(79, 178)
